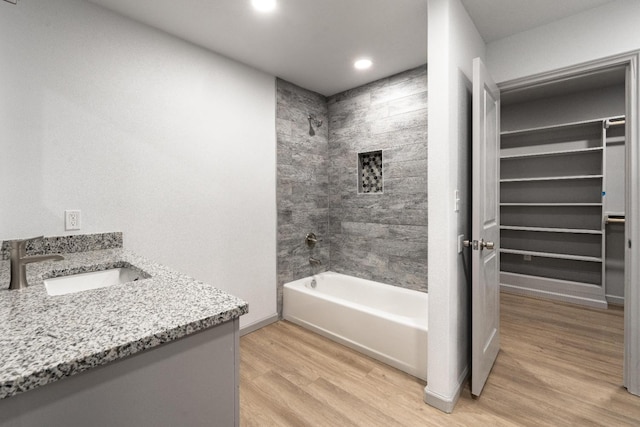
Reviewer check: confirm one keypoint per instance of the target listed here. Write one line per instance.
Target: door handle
(475, 245)
(486, 245)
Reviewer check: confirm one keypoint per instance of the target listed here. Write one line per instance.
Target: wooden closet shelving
(552, 229)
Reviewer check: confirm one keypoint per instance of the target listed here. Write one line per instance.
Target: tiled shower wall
(380, 236)
(302, 183)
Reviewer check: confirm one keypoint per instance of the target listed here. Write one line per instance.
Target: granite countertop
(45, 338)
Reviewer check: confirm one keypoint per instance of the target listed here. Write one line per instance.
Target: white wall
(453, 43)
(596, 33)
(146, 134)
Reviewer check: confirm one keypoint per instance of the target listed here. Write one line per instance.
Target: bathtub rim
(412, 321)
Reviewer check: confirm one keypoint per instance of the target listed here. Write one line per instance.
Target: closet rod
(614, 122)
(614, 220)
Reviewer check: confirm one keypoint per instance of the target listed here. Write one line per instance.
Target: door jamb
(631, 60)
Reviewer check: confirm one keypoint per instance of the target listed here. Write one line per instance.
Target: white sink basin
(94, 280)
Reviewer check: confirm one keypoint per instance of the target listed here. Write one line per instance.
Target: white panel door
(485, 259)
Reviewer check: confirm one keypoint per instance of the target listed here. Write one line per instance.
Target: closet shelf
(551, 230)
(551, 255)
(551, 153)
(553, 204)
(584, 123)
(553, 178)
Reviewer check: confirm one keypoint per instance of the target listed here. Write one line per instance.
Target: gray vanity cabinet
(192, 381)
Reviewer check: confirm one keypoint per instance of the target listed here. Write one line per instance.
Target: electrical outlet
(527, 257)
(72, 220)
(456, 201)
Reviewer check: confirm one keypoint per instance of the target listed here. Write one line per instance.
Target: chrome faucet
(19, 261)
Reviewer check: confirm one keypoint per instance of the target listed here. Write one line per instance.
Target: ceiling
(497, 19)
(313, 43)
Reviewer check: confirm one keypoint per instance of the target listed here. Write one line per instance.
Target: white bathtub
(382, 321)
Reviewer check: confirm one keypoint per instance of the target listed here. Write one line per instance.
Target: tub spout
(314, 261)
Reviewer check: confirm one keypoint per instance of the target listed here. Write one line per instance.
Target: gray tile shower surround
(380, 236)
(302, 183)
(46, 338)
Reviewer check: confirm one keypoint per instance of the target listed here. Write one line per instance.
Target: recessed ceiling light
(264, 5)
(363, 64)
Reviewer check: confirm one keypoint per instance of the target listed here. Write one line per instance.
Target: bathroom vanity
(162, 350)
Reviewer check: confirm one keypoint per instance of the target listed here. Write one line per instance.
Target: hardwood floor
(559, 365)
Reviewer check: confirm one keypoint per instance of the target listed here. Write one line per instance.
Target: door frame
(631, 60)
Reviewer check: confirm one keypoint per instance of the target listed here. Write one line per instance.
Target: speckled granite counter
(45, 338)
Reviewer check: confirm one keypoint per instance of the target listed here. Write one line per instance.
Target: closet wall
(614, 206)
(573, 107)
(555, 186)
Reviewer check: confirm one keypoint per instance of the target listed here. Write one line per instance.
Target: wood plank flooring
(559, 365)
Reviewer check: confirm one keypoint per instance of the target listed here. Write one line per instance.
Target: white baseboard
(537, 293)
(615, 300)
(259, 324)
(560, 290)
(446, 403)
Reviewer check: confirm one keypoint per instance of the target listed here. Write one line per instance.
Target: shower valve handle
(311, 239)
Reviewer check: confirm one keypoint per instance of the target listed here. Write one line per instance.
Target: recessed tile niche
(370, 173)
